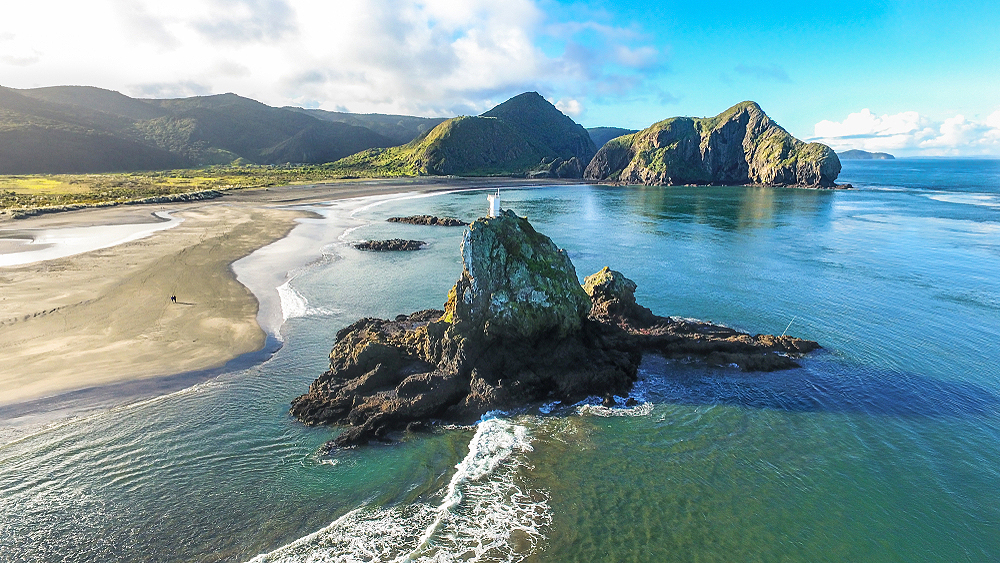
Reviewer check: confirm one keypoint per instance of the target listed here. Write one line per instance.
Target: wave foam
(980, 200)
(294, 304)
(485, 514)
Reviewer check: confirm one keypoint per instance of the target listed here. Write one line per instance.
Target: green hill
(740, 146)
(67, 129)
(601, 135)
(96, 99)
(400, 129)
(525, 135)
(538, 120)
(37, 136)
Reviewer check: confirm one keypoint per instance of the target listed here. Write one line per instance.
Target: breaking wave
(294, 304)
(484, 514)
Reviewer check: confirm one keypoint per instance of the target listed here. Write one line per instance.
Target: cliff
(517, 328)
(740, 146)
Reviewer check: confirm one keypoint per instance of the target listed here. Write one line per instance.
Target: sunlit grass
(47, 190)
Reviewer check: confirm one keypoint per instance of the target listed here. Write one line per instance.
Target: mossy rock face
(516, 283)
(609, 284)
(740, 146)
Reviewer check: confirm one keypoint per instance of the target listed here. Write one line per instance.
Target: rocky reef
(390, 245)
(740, 146)
(517, 327)
(428, 220)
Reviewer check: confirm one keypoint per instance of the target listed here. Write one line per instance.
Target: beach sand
(106, 316)
(104, 319)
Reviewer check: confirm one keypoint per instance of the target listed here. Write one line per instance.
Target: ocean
(883, 446)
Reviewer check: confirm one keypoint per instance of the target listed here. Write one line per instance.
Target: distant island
(740, 146)
(857, 154)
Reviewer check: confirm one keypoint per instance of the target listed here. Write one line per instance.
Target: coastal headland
(102, 318)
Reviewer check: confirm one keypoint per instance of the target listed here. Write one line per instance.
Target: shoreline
(115, 351)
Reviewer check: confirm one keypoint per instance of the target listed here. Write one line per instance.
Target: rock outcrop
(517, 327)
(428, 220)
(741, 146)
(391, 245)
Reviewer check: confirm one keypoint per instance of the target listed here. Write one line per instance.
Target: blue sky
(912, 78)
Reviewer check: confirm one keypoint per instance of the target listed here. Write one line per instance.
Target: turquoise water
(884, 446)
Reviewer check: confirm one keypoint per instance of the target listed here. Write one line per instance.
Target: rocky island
(740, 146)
(428, 220)
(517, 328)
(390, 245)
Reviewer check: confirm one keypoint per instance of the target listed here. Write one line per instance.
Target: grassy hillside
(741, 145)
(83, 129)
(400, 129)
(525, 135)
(468, 146)
(540, 122)
(601, 135)
(30, 191)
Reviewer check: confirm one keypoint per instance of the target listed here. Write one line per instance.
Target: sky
(913, 78)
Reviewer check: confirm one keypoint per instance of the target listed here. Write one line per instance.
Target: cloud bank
(911, 134)
(423, 57)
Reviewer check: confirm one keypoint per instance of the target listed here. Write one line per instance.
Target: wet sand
(87, 330)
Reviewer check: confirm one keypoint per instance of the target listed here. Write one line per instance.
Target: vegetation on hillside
(601, 135)
(741, 145)
(19, 192)
(77, 129)
(525, 135)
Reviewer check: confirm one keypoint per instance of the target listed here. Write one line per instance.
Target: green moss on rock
(740, 146)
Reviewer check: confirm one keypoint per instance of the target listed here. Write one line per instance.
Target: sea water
(883, 446)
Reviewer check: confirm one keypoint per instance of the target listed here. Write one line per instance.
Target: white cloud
(571, 108)
(426, 57)
(994, 120)
(910, 134)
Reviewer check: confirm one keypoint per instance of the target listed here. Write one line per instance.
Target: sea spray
(485, 514)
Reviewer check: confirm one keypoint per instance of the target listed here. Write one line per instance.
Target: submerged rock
(391, 245)
(517, 327)
(428, 220)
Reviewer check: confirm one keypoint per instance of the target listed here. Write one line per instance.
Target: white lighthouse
(494, 200)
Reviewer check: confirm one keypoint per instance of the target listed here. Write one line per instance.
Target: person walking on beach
(173, 299)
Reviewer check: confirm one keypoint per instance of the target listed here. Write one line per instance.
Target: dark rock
(631, 402)
(428, 220)
(613, 297)
(517, 328)
(391, 245)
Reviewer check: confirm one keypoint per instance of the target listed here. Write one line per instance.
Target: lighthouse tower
(494, 200)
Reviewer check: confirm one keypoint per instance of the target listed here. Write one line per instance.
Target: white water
(49, 244)
(484, 514)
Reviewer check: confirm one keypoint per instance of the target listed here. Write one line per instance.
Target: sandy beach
(103, 318)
